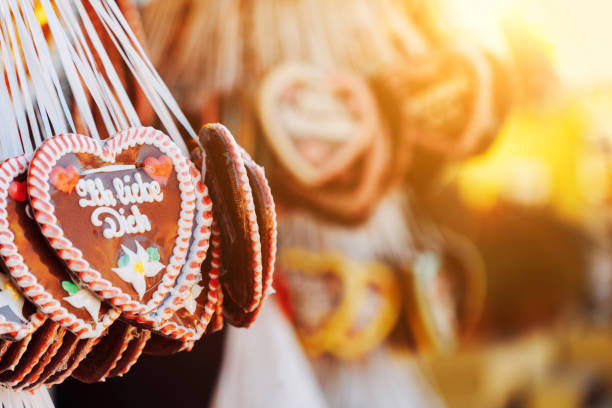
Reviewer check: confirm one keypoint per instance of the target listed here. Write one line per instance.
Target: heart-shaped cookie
(189, 304)
(266, 219)
(188, 314)
(106, 354)
(445, 101)
(39, 273)
(18, 317)
(350, 201)
(378, 310)
(340, 306)
(316, 123)
(124, 229)
(322, 297)
(446, 292)
(234, 212)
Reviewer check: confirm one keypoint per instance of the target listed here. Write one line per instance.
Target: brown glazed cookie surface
(105, 354)
(103, 253)
(161, 346)
(233, 208)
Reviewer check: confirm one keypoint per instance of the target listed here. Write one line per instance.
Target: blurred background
(443, 178)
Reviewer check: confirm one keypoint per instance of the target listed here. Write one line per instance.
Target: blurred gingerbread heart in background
(317, 123)
(329, 150)
(339, 306)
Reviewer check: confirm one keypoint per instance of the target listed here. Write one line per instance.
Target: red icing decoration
(17, 190)
(158, 169)
(64, 179)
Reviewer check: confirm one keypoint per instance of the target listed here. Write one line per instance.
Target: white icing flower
(82, 298)
(134, 267)
(9, 296)
(190, 300)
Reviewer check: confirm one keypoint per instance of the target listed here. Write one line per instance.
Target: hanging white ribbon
(44, 74)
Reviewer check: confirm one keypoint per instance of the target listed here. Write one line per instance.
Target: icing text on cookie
(118, 223)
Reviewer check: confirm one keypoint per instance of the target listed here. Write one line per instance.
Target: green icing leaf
(70, 287)
(124, 260)
(153, 254)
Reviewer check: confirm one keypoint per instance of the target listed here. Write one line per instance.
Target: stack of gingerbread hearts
(111, 250)
(327, 145)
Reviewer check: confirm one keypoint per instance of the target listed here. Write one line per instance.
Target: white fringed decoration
(383, 236)
(382, 379)
(42, 72)
(265, 367)
(25, 399)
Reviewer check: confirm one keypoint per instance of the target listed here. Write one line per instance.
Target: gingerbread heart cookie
(377, 312)
(106, 354)
(234, 212)
(322, 297)
(119, 215)
(186, 310)
(445, 102)
(340, 306)
(38, 272)
(316, 123)
(349, 199)
(266, 219)
(189, 313)
(18, 317)
(446, 292)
